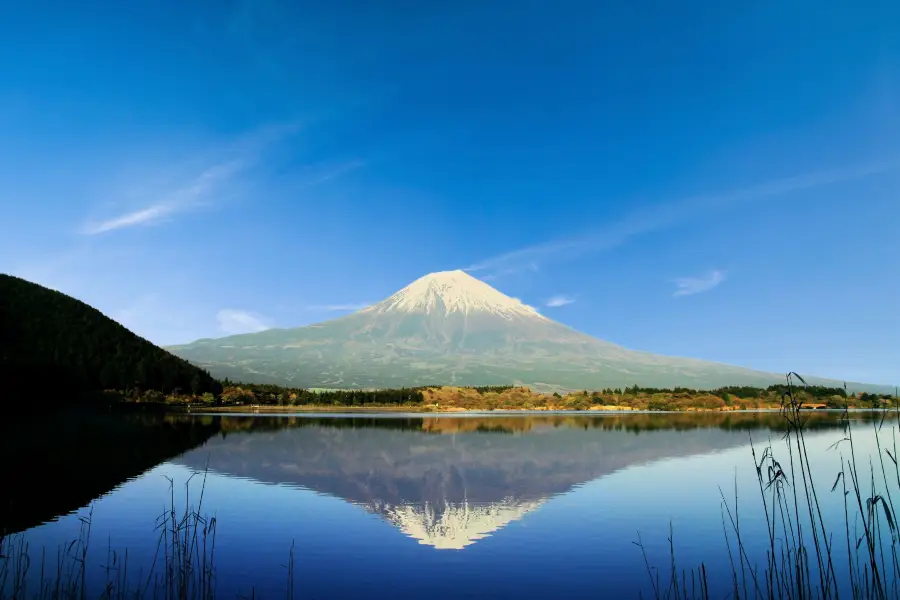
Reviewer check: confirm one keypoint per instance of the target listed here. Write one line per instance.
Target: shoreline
(273, 399)
(394, 409)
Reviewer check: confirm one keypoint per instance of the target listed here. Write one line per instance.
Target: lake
(411, 505)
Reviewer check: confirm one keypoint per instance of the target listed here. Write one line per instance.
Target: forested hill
(53, 344)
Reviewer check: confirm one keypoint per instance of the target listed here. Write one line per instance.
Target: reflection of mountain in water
(449, 482)
(60, 461)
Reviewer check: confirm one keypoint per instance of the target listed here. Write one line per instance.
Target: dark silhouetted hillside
(52, 344)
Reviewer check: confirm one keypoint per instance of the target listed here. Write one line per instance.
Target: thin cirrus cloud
(190, 195)
(234, 321)
(336, 171)
(559, 300)
(339, 307)
(663, 216)
(200, 188)
(688, 286)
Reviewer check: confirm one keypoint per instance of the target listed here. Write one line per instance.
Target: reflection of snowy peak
(458, 525)
(449, 292)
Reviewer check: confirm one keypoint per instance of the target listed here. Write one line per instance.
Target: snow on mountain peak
(453, 291)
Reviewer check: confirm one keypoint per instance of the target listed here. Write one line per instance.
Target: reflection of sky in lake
(563, 541)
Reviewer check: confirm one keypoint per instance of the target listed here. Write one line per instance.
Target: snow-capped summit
(447, 292)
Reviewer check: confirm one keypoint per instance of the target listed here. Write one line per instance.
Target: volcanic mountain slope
(449, 328)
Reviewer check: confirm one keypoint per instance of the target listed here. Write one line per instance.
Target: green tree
(196, 384)
(109, 377)
(141, 375)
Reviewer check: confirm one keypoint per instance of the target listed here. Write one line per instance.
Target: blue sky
(714, 180)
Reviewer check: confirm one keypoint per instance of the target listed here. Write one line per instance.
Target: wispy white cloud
(199, 188)
(145, 216)
(233, 321)
(662, 216)
(189, 196)
(335, 171)
(132, 316)
(516, 268)
(559, 300)
(158, 317)
(687, 286)
(339, 307)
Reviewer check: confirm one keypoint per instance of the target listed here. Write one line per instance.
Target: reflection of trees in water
(629, 421)
(60, 461)
(234, 424)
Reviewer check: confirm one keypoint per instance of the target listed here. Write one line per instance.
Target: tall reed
(182, 567)
(800, 559)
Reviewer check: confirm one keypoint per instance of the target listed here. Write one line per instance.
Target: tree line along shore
(241, 396)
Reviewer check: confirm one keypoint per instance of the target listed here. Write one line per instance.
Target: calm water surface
(437, 507)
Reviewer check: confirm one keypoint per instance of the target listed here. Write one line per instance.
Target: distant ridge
(449, 328)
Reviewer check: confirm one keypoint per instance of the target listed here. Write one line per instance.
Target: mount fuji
(449, 328)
